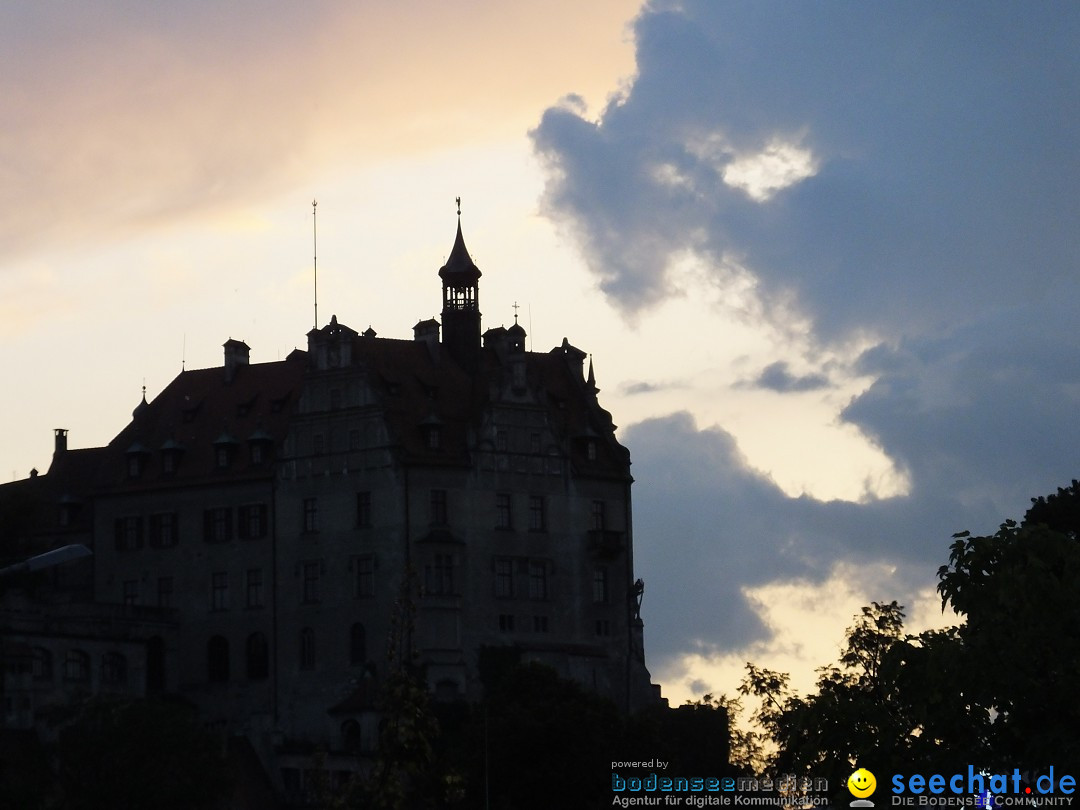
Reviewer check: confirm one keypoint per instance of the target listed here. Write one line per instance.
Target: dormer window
(260, 445)
(590, 450)
(170, 456)
(136, 460)
(224, 450)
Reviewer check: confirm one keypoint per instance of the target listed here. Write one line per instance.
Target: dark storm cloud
(778, 377)
(940, 221)
(944, 137)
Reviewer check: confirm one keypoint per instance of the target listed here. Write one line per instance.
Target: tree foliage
(1018, 591)
(996, 691)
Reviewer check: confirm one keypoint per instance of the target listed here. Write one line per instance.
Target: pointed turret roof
(460, 266)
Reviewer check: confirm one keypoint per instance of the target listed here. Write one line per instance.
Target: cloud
(778, 377)
(632, 387)
(893, 177)
(922, 164)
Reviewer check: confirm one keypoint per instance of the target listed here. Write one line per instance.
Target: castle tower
(461, 304)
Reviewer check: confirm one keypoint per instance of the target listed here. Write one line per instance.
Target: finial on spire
(458, 201)
(515, 306)
(315, 258)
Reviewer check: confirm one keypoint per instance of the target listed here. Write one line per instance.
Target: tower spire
(461, 302)
(315, 257)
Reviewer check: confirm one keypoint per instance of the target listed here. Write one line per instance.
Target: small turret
(461, 303)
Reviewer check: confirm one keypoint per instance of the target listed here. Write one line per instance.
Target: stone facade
(272, 512)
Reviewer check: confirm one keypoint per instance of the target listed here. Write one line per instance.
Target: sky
(824, 256)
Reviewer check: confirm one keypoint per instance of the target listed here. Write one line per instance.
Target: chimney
(236, 354)
(428, 332)
(61, 441)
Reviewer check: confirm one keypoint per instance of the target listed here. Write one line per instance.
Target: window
(311, 515)
(335, 399)
(42, 667)
(223, 456)
(168, 462)
(254, 588)
(598, 515)
(434, 437)
(135, 465)
(357, 644)
(354, 439)
(257, 453)
(318, 444)
(537, 579)
(163, 533)
(439, 576)
(164, 592)
(504, 578)
(590, 450)
(502, 511)
(217, 524)
(363, 510)
(252, 521)
(219, 590)
(129, 533)
(257, 653)
(217, 659)
(500, 441)
(131, 592)
(603, 627)
(307, 648)
(599, 586)
(113, 668)
(310, 593)
(506, 623)
(77, 666)
(537, 514)
(540, 624)
(534, 443)
(365, 576)
(438, 507)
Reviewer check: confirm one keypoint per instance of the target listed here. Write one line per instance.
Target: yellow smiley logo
(861, 783)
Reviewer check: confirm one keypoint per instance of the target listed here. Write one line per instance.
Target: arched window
(77, 666)
(217, 659)
(357, 644)
(307, 648)
(258, 657)
(113, 668)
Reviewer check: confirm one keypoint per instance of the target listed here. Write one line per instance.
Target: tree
(1018, 591)
(891, 700)
(998, 691)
